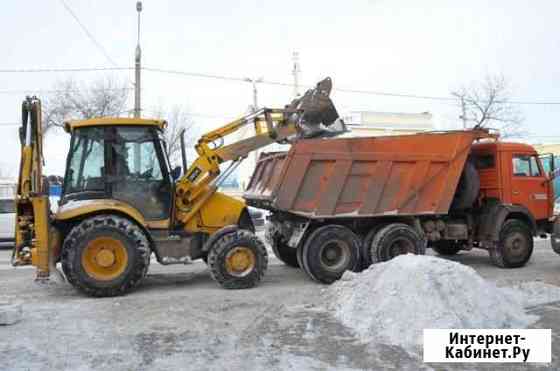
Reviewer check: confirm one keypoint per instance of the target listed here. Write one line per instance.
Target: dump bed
(363, 177)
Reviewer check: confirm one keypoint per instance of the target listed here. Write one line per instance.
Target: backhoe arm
(32, 229)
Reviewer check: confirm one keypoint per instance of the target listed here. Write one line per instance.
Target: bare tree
(178, 119)
(71, 100)
(488, 104)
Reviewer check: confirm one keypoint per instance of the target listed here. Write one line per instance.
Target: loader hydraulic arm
(308, 116)
(32, 203)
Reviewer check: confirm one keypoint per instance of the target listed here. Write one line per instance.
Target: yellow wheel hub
(104, 258)
(240, 261)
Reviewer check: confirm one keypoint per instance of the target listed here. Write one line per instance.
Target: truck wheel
(555, 237)
(366, 245)
(329, 252)
(238, 260)
(105, 255)
(281, 250)
(285, 253)
(467, 189)
(396, 239)
(515, 246)
(446, 247)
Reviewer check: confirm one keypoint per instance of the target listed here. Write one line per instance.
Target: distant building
(370, 123)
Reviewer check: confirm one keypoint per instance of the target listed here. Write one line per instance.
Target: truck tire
(555, 237)
(396, 239)
(329, 252)
(366, 245)
(285, 253)
(105, 255)
(467, 189)
(515, 247)
(281, 250)
(446, 247)
(238, 260)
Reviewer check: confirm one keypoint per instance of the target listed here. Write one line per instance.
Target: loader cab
(514, 174)
(120, 159)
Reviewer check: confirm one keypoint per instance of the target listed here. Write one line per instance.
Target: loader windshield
(86, 169)
(126, 163)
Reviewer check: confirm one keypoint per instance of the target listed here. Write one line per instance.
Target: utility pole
(137, 67)
(254, 82)
(255, 106)
(463, 116)
(295, 72)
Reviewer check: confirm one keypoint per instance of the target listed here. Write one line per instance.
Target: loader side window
(86, 162)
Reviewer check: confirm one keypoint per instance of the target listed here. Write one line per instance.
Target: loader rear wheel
(515, 247)
(396, 239)
(105, 255)
(329, 252)
(446, 247)
(238, 260)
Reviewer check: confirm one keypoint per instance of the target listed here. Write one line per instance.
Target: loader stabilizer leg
(41, 252)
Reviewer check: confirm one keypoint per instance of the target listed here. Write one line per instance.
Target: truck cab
(513, 174)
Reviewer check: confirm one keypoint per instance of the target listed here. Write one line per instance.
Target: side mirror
(176, 173)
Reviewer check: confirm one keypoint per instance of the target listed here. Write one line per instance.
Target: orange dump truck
(345, 203)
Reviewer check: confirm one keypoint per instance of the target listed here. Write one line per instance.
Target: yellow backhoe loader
(121, 200)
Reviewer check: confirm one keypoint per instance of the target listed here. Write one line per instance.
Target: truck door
(529, 186)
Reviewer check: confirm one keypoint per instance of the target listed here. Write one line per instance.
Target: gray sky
(426, 48)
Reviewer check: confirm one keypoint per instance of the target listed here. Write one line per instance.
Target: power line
(342, 90)
(194, 74)
(266, 82)
(89, 34)
(48, 70)
(54, 91)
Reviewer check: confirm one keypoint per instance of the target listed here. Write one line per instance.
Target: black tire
(446, 247)
(285, 253)
(329, 252)
(468, 188)
(281, 250)
(80, 239)
(366, 245)
(515, 247)
(231, 243)
(396, 239)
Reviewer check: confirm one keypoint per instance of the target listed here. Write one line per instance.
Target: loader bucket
(316, 114)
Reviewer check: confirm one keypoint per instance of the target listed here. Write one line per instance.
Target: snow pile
(393, 302)
(535, 293)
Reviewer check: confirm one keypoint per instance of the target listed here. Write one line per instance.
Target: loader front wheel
(238, 260)
(105, 255)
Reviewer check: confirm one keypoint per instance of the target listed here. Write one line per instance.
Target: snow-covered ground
(180, 319)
